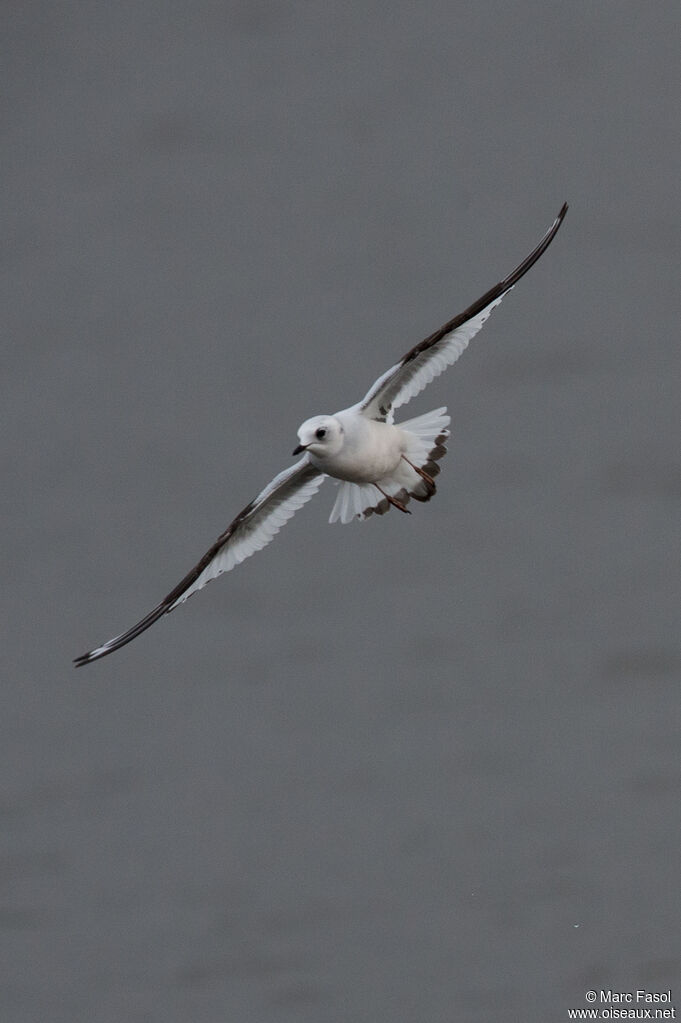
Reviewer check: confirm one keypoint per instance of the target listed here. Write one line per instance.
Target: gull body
(376, 463)
(350, 447)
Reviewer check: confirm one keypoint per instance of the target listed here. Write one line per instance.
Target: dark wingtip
(126, 637)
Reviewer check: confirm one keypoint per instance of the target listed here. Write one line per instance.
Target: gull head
(321, 436)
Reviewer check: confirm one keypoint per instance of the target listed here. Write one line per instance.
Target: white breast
(371, 450)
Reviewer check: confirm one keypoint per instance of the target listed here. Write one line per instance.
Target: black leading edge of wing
(497, 291)
(264, 516)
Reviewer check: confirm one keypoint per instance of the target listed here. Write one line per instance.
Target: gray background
(421, 769)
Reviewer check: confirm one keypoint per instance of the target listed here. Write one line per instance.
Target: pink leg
(428, 480)
(392, 500)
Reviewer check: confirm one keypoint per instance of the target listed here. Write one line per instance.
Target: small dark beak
(299, 450)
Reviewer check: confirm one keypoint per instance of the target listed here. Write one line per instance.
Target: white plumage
(422, 435)
(379, 464)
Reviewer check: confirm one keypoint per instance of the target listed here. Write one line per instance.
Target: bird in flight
(378, 463)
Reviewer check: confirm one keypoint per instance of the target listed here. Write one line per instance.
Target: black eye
(320, 433)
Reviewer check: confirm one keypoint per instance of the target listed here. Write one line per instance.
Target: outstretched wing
(432, 356)
(251, 530)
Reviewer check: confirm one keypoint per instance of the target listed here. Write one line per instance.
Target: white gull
(380, 464)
